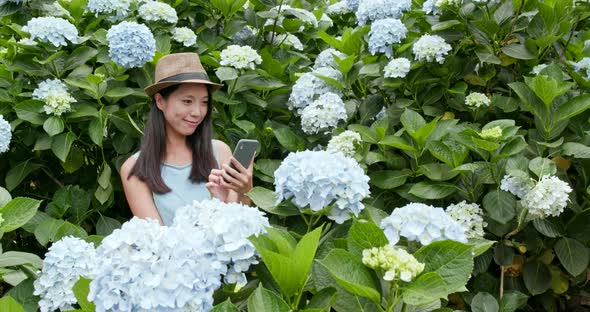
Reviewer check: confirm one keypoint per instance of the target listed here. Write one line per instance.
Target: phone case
(244, 151)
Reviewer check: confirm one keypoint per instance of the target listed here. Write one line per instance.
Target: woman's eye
(187, 101)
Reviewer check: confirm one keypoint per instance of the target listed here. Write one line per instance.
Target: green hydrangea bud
(397, 263)
(494, 133)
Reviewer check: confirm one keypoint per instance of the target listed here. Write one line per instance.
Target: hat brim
(153, 89)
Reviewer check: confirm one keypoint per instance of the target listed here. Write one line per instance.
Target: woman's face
(185, 108)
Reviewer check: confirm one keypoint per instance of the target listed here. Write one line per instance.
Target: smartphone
(244, 152)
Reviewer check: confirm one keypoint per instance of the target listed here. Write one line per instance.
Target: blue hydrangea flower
(397, 68)
(147, 267)
(421, 223)
(384, 33)
(230, 225)
(323, 114)
(430, 48)
(316, 179)
(64, 263)
(158, 11)
(352, 5)
(5, 135)
(184, 35)
(582, 65)
(52, 29)
(116, 10)
(373, 10)
(55, 95)
(309, 87)
(131, 44)
(326, 58)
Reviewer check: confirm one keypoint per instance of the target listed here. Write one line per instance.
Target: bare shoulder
(222, 148)
(127, 166)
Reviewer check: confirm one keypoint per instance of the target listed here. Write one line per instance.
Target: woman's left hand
(239, 179)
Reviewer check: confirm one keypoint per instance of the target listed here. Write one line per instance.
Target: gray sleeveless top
(183, 191)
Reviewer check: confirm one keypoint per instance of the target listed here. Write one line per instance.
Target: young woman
(178, 161)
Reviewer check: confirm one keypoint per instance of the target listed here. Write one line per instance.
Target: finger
(216, 171)
(237, 164)
(231, 180)
(243, 177)
(230, 186)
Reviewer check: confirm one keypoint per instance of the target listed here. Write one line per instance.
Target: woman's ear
(160, 102)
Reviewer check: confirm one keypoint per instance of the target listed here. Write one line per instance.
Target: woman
(178, 161)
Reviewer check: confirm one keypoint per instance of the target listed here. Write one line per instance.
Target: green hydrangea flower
(397, 263)
(494, 133)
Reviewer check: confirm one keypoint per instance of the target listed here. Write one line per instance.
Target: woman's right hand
(214, 185)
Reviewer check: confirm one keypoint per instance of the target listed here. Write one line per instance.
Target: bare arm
(138, 194)
(242, 182)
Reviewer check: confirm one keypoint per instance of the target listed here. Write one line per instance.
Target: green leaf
(351, 274)
(573, 255)
(81, 289)
(364, 235)
(4, 197)
(7, 303)
(66, 229)
(31, 111)
(105, 225)
(444, 25)
(389, 179)
(437, 171)
(432, 190)
(289, 140)
(62, 144)
(266, 200)
(226, 306)
(322, 300)
(513, 147)
(96, 127)
(542, 166)
(573, 107)
(226, 73)
(19, 172)
(412, 122)
(123, 121)
(500, 206)
(537, 277)
(547, 88)
(45, 232)
(530, 100)
(14, 258)
(18, 212)
(512, 301)
(426, 289)
(81, 54)
(576, 150)
(518, 51)
(452, 261)
(23, 294)
(103, 194)
(548, 228)
(367, 134)
(104, 179)
(486, 56)
(484, 302)
(53, 125)
(119, 92)
(263, 300)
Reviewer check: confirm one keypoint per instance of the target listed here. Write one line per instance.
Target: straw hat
(179, 68)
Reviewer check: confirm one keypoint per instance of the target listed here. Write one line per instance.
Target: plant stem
(501, 281)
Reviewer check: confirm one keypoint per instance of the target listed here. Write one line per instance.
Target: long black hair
(153, 147)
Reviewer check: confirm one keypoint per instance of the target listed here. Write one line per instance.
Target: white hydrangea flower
(494, 133)
(397, 68)
(52, 29)
(116, 10)
(582, 65)
(537, 69)
(325, 21)
(323, 114)
(430, 48)
(184, 35)
(373, 10)
(318, 179)
(309, 86)
(240, 57)
(55, 95)
(158, 11)
(397, 263)
(517, 185)
(230, 225)
(301, 14)
(326, 58)
(27, 41)
(476, 100)
(287, 40)
(470, 216)
(338, 8)
(344, 143)
(423, 223)
(147, 267)
(64, 263)
(5, 135)
(547, 198)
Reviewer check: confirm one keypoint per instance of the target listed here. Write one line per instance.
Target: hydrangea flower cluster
(582, 65)
(397, 263)
(240, 57)
(131, 44)
(309, 86)
(344, 143)
(384, 33)
(325, 21)
(287, 40)
(158, 11)
(476, 99)
(229, 225)
(338, 8)
(326, 58)
(431, 47)
(52, 29)
(320, 178)
(185, 36)
(433, 6)
(537, 69)
(470, 216)
(517, 185)
(352, 5)
(494, 133)
(116, 9)
(64, 263)
(27, 41)
(372, 10)
(301, 14)
(55, 95)
(323, 114)
(397, 68)
(147, 267)
(423, 223)
(5, 135)
(547, 198)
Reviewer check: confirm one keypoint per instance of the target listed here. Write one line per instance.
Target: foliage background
(429, 156)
